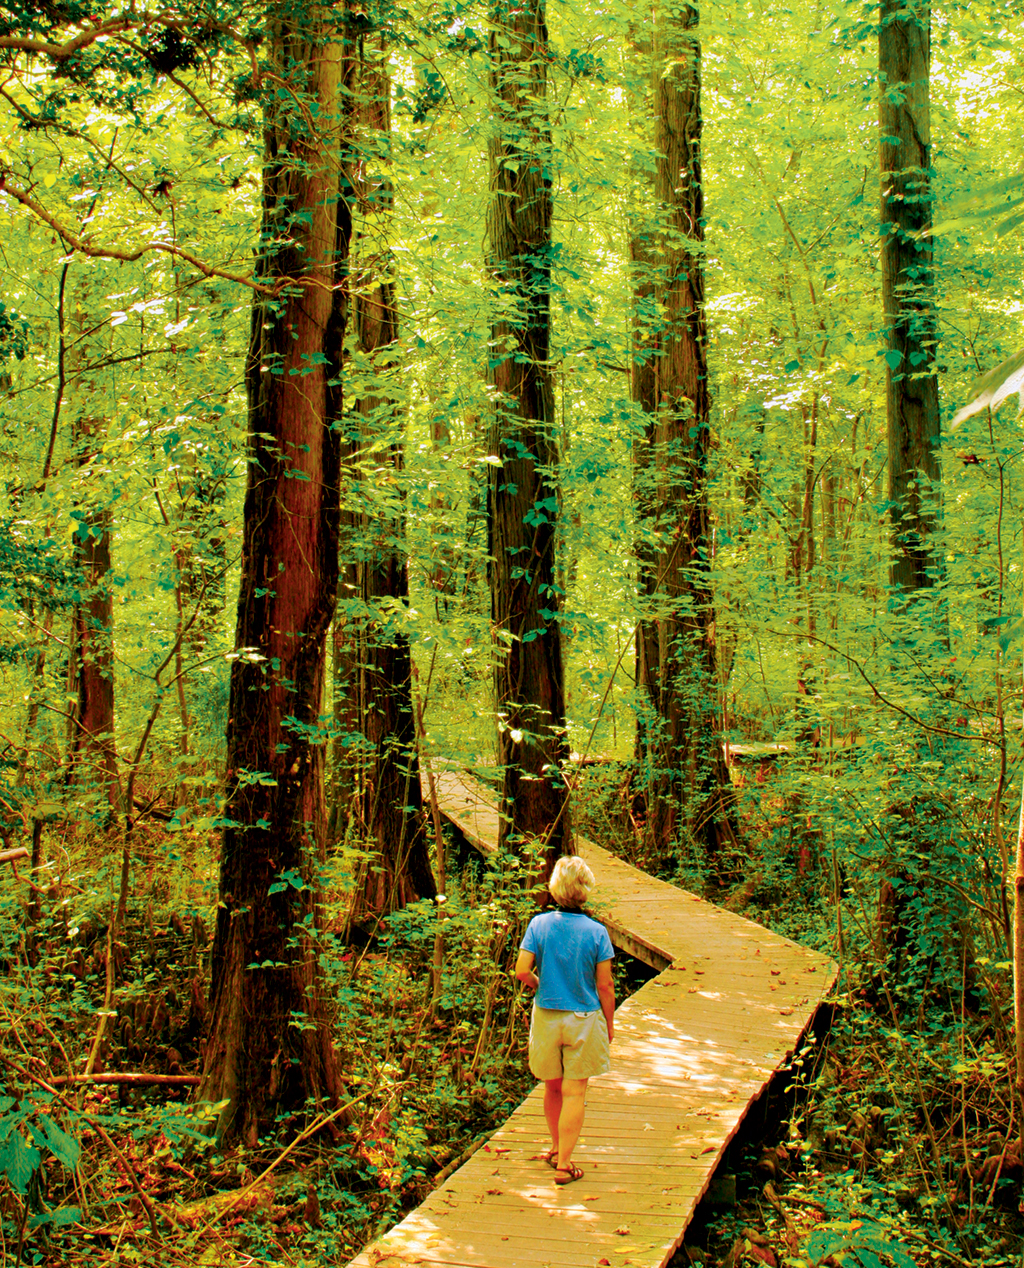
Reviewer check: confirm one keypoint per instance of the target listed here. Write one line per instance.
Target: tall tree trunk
(523, 495)
(93, 748)
(913, 427)
(258, 1060)
(912, 387)
(678, 742)
(444, 553)
(391, 799)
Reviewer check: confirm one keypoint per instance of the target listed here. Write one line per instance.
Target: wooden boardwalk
(694, 1048)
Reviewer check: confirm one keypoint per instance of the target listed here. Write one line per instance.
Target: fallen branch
(8, 856)
(131, 1078)
(453, 1166)
(148, 1205)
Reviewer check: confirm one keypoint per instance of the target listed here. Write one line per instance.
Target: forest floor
(890, 1142)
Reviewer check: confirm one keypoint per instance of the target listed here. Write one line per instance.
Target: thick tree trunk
(93, 758)
(678, 743)
(269, 1047)
(912, 387)
(523, 494)
(391, 799)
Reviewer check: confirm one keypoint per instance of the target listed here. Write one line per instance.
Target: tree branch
(61, 52)
(77, 243)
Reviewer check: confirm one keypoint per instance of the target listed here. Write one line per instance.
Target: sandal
(567, 1174)
(551, 1158)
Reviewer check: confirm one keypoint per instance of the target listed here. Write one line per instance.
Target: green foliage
(869, 1242)
(30, 1134)
(894, 786)
(14, 335)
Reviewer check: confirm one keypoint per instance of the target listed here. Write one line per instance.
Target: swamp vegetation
(616, 400)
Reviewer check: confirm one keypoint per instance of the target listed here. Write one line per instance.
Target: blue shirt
(567, 947)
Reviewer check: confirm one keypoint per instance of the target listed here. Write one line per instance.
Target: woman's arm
(606, 994)
(524, 970)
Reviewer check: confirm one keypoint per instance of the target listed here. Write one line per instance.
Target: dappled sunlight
(694, 1048)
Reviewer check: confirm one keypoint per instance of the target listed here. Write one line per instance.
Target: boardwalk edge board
(695, 1048)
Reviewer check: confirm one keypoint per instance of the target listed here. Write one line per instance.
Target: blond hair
(571, 881)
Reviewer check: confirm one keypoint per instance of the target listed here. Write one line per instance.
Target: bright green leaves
(19, 1160)
(865, 1240)
(543, 511)
(287, 880)
(56, 1141)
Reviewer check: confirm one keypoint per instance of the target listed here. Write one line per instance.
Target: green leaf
(63, 1147)
(19, 1162)
(56, 1219)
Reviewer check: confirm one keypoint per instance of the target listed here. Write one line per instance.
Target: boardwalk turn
(693, 1049)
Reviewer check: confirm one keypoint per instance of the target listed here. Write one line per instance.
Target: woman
(567, 958)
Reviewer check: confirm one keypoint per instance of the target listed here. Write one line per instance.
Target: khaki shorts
(568, 1045)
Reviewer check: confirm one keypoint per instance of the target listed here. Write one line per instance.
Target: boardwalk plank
(694, 1048)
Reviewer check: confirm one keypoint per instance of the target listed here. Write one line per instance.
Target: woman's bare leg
(570, 1121)
(553, 1110)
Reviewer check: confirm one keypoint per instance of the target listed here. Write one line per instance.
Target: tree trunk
(523, 495)
(474, 549)
(444, 553)
(912, 396)
(678, 745)
(346, 747)
(203, 528)
(912, 388)
(391, 799)
(93, 758)
(269, 1047)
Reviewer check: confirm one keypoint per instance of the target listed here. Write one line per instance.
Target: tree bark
(678, 745)
(93, 758)
(391, 798)
(912, 387)
(523, 493)
(269, 1047)
(346, 750)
